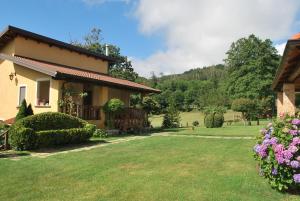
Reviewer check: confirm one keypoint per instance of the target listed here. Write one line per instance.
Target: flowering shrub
(278, 155)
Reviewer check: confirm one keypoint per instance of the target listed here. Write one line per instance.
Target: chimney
(106, 49)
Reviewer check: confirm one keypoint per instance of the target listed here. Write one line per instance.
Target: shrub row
(48, 129)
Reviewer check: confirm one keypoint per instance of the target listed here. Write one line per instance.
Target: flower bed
(278, 155)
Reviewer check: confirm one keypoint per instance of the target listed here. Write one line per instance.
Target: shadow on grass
(70, 147)
(13, 154)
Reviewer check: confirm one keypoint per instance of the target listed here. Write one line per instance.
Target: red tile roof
(10, 121)
(63, 72)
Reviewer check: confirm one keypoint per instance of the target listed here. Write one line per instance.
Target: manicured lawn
(154, 168)
(232, 131)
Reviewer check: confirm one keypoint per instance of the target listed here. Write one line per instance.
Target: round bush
(48, 129)
(214, 120)
(195, 123)
(277, 153)
(218, 120)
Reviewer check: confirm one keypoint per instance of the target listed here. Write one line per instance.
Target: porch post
(289, 98)
(279, 103)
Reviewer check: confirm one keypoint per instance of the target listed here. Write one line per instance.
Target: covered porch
(286, 83)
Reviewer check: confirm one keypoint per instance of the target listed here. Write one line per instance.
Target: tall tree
(122, 68)
(251, 64)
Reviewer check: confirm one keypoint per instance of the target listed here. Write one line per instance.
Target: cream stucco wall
(9, 90)
(42, 51)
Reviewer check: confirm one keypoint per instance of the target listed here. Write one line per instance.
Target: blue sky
(168, 36)
(65, 19)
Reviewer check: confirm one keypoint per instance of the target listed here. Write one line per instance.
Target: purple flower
(256, 148)
(296, 178)
(295, 164)
(274, 171)
(273, 141)
(293, 132)
(262, 150)
(296, 121)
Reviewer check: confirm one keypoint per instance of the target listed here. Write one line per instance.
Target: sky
(161, 36)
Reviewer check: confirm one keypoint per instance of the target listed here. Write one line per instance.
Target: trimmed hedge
(214, 120)
(49, 129)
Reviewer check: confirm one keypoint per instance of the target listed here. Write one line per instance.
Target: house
(287, 79)
(44, 71)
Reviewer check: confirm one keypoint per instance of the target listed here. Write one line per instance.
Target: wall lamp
(11, 75)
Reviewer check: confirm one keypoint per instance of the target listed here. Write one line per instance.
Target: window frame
(19, 93)
(36, 92)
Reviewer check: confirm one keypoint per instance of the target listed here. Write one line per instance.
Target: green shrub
(214, 120)
(29, 110)
(195, 123)
(21, 138)
(22, 113)
(171, 118)
(114, 106)
(52, 121)
(48, 129)
(100, 133)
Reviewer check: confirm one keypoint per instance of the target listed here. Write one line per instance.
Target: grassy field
(155, 168)
(235, 129)
(187, 118)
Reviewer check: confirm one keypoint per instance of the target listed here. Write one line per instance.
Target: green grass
(156, 168)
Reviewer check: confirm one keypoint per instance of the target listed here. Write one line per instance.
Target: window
(22, 94)
(43, 93)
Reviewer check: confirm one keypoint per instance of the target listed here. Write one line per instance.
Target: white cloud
(95, 2)
(280, 48)
(199, 32)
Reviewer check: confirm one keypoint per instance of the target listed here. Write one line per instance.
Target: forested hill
(192, 89)
(216, 72)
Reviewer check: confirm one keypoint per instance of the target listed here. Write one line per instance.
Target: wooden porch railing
(4, 140)
(86, 112)
(130, 118)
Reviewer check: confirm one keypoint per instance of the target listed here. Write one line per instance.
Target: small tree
(22, 111)
(29, 110)
(171, 118)
(247, 107)
(149, 105)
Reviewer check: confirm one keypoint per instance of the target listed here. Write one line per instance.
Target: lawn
(154, 168)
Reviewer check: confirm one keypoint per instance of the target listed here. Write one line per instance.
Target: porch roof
(289, 68)
(62, 72)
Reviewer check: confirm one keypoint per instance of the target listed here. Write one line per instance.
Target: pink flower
(293, 132)
(296, 141)
(293, 149)
(287, 154)
(279, 158)
(281, 115)
(278, 148)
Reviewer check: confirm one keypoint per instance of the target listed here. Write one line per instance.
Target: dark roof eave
(54, 42)
(64, 76)
(289, 44)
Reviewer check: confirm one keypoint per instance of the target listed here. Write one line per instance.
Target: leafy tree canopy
(251, 64)
(122, 68)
